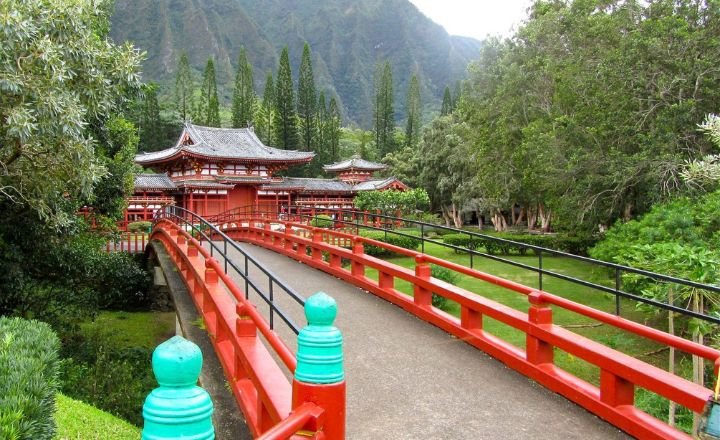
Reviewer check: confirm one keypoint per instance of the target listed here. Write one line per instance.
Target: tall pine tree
(184, 88)
(384, 110)
(151, 126)
(321, 130)
(208, 109)
(285, 116)
(307, 102)
(265, 113)
(413, 109)
(334, 121)
(243, 103)
(447, 103)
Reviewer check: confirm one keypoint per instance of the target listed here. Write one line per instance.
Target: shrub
(407, 241)
(121, 282)
(29, 369)
(143, 226)
(462, 240)
(322, 221)
(442, 274)
(114, 379)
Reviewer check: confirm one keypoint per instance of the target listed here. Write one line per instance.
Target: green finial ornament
(178, 408)
(320, 352)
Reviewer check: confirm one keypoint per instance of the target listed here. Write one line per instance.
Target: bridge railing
(620, 375)
(355, 221)
(259, 384)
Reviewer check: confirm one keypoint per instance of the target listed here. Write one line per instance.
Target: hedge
(322, 221)
(565, 243)
(143, 226)
(403, 241)
(29, 369)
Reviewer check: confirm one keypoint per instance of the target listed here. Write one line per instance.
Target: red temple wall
(242, 196)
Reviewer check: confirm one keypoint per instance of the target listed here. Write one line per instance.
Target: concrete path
(409, 380)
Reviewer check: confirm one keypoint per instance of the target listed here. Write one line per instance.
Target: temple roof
(223, 143)
(355, 163)
(328, 185)
(212, 184)
(154, 181)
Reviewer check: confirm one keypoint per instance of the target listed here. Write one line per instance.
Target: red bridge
(405, 378)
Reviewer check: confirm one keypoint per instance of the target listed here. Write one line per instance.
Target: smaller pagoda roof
(238, 144)
(370, 185)
(154, 181)
(354, 163)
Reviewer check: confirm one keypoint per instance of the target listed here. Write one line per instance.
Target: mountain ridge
(347, 38)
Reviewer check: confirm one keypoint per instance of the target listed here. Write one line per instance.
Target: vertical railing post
(316, 238)
(319, 376)
(357, 269)
(178, 408)
(538, 351)
(421, 296)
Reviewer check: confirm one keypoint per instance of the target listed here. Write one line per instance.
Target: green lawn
(605, 334)
(79, 421)
(135, 329)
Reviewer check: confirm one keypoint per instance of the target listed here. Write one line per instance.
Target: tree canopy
(50, 97)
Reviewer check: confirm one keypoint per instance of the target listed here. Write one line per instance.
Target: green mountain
(348, 38)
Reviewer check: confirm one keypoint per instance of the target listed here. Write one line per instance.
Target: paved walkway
(409, 380)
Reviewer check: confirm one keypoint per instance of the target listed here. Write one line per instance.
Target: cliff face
(348, 38)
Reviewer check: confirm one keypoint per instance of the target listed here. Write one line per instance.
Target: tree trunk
(521, 216)
(445, 215)
(671, 360)
(498, 220)
(480, 220)
(457, 219)
(513, 217)
(545, 217)
(532, 218)
(627, 212)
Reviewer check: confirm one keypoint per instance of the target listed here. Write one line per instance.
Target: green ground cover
(134, 329)
(605, 334)
(79, 421)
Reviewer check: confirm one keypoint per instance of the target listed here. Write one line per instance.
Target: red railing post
(357, 268)
(316, 238)
(538, 351)
(288, 234)
(422, 296)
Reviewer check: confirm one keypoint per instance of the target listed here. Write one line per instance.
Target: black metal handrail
(208, 231)
(618, 269)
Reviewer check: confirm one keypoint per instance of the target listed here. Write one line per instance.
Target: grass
(79, 421)
(610, 336)
(135, 329)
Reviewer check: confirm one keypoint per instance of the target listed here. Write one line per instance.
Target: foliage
(77, 420)
(59, 75)
(265, 113)
(207, 111)
(391, 201)
(413, 109)
(113, 378)
(322, 221)
(442, 274)
(384, 109)
(29, 369)
(447, 104)
(285, 114)
(243, 102)
(577, 245)
(589, 112)
(405, 240)
(143, 226)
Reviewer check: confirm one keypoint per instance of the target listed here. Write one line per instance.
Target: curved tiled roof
(154, 181)
(328, 185)
(355, 163)
(224, 143)
(370, 185)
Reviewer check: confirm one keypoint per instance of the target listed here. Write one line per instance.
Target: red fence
(620, 374)
(273, 407)
(131, 242)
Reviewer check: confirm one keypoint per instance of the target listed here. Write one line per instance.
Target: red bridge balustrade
(620, 374)
(273, 407)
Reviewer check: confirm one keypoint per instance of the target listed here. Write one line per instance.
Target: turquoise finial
(320, 352)
(178, 408)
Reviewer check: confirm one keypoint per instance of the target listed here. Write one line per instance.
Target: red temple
(211, 170)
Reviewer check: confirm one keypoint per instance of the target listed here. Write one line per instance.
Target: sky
(475, 18)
